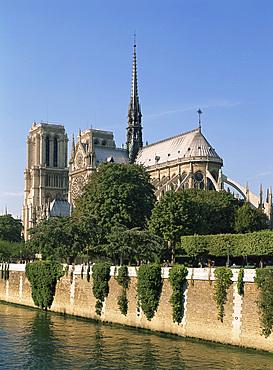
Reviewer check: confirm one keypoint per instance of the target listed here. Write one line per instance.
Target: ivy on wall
(123, 280)
(88, 274)
(223, 281)
(177, 278)
(149, 285)
(5, 271)
(101, 276)
(240, 283)
(264, 281)
(43, 277)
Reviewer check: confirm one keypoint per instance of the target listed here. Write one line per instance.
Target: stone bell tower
(46, 175)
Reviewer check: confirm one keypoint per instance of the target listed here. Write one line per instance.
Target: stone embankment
(240, 326)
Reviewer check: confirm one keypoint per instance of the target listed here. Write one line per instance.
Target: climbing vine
(66, 270)
(177, 278)
(101, 276)
(123, 280)
(43, 277)
(5, 271)
(223, 281)
(88, 274)
(149, 286)
(240, 283)
(264, 281)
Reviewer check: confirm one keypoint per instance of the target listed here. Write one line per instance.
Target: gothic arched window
(55, 153)
(199, 180)
(47, 151)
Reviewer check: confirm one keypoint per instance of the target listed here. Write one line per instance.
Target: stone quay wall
(241, 325)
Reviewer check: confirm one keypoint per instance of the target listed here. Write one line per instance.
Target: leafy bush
(264, 281)
(101, 276)
(43, 277)
(223, 281)
(149, 286)
(177, 277)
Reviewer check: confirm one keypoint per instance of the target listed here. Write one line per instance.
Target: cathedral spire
(134, 129)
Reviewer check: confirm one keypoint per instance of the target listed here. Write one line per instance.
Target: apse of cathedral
(184, 161)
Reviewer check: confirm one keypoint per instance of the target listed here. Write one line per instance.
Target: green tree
(193, 211)
(57, 237)
(249, 219)
(118, 194)
(10, 228)
(128, 244)
(12, 250)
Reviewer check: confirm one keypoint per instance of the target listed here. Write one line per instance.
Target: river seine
(33, 339)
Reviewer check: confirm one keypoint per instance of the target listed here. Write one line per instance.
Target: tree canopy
(193, 211)
(118, 194)
(57, 237)
(10, 228)
(249, 219)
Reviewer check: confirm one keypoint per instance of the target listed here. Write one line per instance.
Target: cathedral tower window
(55, 153)
(47, 151)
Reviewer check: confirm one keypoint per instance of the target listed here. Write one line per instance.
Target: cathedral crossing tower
(134, 129)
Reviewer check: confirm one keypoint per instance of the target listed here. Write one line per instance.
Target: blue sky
(70, 62)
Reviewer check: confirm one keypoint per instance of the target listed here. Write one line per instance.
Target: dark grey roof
(184, 146)
(104, 153)
(59, 208)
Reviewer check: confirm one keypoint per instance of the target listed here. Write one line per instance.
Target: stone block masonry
(241, 324)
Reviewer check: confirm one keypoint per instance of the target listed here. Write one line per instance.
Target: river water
(34, 339)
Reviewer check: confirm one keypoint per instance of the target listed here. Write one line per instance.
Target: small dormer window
(103, 143)
(96, 142)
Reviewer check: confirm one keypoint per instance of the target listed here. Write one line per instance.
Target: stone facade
(46, 174)
(91, 148)
(241, 325)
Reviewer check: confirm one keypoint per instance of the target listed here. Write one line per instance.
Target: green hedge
(258, 243)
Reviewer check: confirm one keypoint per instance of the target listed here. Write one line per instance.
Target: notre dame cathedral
(180, 162)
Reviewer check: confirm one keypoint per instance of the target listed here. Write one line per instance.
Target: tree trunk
(171, 246)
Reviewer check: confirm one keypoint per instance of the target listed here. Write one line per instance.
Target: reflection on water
(32, 339)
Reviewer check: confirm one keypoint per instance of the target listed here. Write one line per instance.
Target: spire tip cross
(199, 113)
